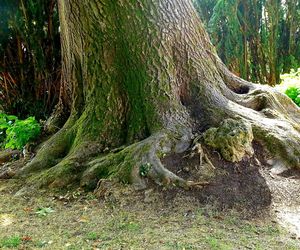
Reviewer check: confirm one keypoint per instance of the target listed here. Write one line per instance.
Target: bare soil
(233, 185)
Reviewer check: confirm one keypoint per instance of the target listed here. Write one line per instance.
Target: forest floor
(127, 219)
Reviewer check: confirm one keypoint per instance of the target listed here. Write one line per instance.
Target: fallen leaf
(26, 238)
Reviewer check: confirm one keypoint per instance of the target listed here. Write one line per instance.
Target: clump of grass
(44, 211)
(216, 244)
(92, 236)
(10, 242)
(180, 245)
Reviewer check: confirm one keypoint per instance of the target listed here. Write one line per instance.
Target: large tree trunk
(142, 78)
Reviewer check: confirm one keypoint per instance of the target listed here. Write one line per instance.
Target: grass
(87, 223)
(10, 242)
(92, 236)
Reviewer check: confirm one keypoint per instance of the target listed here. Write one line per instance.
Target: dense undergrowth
(291, 85)
(15, 133)
(294, 94)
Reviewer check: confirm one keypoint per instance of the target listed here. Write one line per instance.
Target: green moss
(233, 138)
(277, 147)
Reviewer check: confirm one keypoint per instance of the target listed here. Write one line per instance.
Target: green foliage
(44, 211)
(10, 242)
(225, 29)
(92, 236)
(144, 169)
(6, 121)
(257, 39)
(297, 100)
(294, 94)
(15, 133)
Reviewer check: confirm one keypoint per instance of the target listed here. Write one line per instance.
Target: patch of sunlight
(290, 219)
(288, 80)
(6, 220)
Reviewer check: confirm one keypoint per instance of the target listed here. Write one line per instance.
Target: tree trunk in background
(292, 25)
(273, 15)
(254, 17)
(141, 78)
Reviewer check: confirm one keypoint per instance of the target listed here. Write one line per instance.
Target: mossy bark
(143, 76)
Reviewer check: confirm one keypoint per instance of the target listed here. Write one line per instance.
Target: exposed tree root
(49, 154)
(273, 116)
(197, 149)
(139, 162)
(62, 162)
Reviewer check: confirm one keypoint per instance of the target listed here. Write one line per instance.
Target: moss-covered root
(135, 164)
(273, 116)
(139, 163)
(50, 153)
(281, 139)
(233, 138)
(275, 123)
(69, 169)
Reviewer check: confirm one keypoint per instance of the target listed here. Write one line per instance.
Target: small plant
(10, 242)
(92, 236)
(294, 94)
(144, 169)
(15, 133)
(44, 211)
(129, 226)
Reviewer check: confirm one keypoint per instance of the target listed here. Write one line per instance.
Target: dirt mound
(231, 185)
(250, 186)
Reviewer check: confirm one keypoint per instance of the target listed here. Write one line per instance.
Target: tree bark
(141, 78)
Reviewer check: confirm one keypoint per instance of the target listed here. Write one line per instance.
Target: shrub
(294, 94)
(15, 133)
(6, 121)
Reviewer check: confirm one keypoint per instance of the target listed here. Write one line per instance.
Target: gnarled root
(197, 149)
(140, 162)
(273, 116)
(49, 154)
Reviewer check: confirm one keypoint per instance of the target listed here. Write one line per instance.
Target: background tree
(253, 37)
(228, 33)
(290, 36)
(272, 14)
(206, 9)
(143, 79)
(29, 57)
